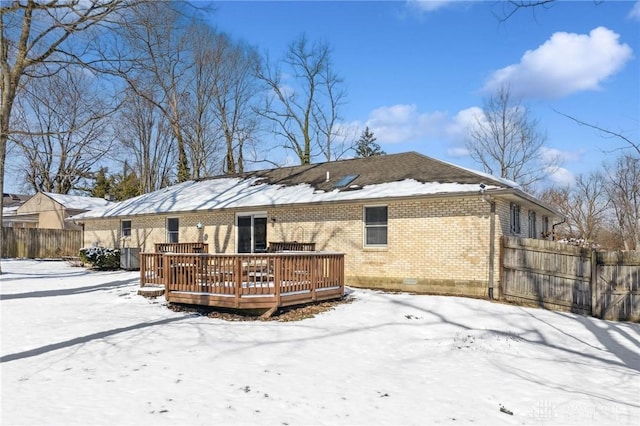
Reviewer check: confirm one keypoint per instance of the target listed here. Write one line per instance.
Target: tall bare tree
(506, 141)
(156, 37)
(304, 110)
(39, 38)
(225, 91)
(147, 138)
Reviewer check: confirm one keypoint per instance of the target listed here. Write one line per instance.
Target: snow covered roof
(387, 176)
(78, 202)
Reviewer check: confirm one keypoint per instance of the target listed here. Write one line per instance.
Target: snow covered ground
(81, 348)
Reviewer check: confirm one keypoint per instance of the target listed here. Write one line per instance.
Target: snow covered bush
(101, 257)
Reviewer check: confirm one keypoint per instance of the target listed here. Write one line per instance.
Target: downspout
(492, 246)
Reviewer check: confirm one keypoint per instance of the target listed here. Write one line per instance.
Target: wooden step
(151, 291)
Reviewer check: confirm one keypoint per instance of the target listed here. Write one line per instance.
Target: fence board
(557, 276)
(36, 243)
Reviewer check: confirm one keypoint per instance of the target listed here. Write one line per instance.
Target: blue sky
(416, 72)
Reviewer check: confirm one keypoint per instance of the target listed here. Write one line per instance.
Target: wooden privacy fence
(36, 243)
(245, 281)
(563, 277)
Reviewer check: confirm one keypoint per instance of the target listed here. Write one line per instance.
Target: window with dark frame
(125, 227)
(375, 226)
(173, 226)
(251, 233)
(532, 224)
(545, 226)
(515, 218)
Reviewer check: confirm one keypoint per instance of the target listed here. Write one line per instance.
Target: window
(173, 225)
(125, 228)
(375, 226)
(532, 225)
(515, 218)
(545, 226)
(252, 233)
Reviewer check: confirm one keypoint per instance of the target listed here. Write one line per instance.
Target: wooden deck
(245, 281)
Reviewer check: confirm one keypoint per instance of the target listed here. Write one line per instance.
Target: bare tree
(304, 110)
(506, 141)
(511, 7)
(624, 192)
(226, 89)
(584, 204)
(37, 39)
(148, 139)
(607, 133)
(62, 130)
(160, 74)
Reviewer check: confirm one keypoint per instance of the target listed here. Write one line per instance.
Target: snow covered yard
(80, 347)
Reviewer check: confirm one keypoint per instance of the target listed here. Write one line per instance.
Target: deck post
(166, 271)
(313, 277)
(277, 278)
(238, 280)
(143, 267)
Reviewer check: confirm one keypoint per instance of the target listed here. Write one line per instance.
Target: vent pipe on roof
(328, 176)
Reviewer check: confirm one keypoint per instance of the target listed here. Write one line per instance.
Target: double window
(252, 233)
(173, 228)
(375, 226)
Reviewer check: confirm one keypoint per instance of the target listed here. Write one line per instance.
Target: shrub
(101, 257)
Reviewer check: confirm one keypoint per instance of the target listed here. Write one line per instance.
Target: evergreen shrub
(101, 257)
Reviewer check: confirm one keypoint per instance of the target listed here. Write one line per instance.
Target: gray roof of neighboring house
(77, 202)
(373, 178)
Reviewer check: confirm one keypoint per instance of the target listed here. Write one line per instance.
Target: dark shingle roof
(375, 170)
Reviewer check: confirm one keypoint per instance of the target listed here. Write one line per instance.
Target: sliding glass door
(252, 233)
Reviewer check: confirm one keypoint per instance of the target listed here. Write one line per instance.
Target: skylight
(345, 181)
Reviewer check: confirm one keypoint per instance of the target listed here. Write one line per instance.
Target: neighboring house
(10, 204)
(404, 221)
(49, 211)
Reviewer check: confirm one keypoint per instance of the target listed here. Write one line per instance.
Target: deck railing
(181, 247)
(279, 246)
(245, 280)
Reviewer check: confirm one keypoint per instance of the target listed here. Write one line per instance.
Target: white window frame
(365, 227)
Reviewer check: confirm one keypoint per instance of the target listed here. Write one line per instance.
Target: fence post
(593, 284)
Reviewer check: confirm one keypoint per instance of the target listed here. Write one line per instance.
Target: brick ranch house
(404, 221)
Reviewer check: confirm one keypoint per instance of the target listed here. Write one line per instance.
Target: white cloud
(550, 154)
(564, 64)
(561, 176)
(458, 152)
(458, 126)
(429, 5)
(402, 123)
(635, 12)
